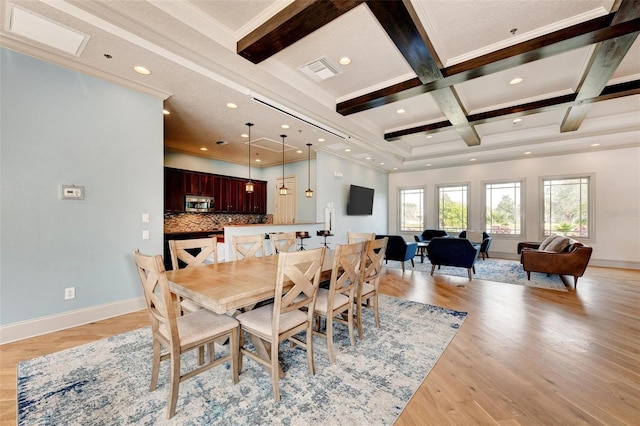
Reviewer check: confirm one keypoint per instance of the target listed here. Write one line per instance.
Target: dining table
(227, 287)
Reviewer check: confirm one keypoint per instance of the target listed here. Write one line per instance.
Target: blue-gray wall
(62, 127)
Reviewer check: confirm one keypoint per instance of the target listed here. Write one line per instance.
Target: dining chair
(335, 304)
(178, 335)
(356, 237)
(368, 289)
(182, 253)
(282, 242)
(291, 312)
(247, 246)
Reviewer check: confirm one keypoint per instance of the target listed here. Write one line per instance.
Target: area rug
(107, 382)
(499, 270)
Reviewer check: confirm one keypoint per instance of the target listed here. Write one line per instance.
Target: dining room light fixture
(309, 193)
(283, 188)
(248, 187)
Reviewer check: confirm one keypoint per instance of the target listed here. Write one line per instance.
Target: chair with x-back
(356, 237)
(335, 304)
(367, 292)
(247, 246)
(291, 312)
(190, 253)
(282, 242)
(178, 335)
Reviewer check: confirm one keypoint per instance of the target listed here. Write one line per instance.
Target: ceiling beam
(294, 22)
(561, 41)
(603, 63)
(401, 23)
(610, 92)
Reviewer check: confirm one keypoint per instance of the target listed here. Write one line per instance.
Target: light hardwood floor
(522, 357)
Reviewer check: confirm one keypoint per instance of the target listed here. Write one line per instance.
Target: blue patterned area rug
(499, 270)
(107, 382)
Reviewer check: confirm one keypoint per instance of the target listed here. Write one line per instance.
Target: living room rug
(499, 270)
(107, 382)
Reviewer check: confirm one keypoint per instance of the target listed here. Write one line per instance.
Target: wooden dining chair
(339, 298)
(368, 288)
(356, 237)
(178, 335)
(282, 242)
(246, 246)
(289, 314)
(182, 253)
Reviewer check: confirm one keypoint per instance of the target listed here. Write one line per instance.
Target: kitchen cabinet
(256, 202)
(173, 190)
(199, 184)
(229, 195)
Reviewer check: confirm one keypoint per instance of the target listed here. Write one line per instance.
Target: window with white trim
(504, 211)
(411, 210)
(453, 209)
(567, 206)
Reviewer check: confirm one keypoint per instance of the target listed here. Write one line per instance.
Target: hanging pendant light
(248, 187)
(283, 189)
(309, 192)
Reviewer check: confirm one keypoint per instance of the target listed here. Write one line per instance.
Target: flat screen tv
(360, 201)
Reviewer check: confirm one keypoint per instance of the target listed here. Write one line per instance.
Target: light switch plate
(72, 192)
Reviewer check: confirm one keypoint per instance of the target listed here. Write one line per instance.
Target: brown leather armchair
(571, 261)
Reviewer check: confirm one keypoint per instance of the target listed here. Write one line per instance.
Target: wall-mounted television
(360, 201)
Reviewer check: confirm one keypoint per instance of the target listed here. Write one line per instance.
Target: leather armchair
(572, 261)
(398, 249)
(458, 252)
(484, 246)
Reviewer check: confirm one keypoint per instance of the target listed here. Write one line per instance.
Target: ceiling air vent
(320, 69)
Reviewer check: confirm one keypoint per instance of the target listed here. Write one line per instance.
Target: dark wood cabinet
(228, 192)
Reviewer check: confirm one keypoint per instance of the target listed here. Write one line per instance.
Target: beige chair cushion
(260, 319)
(547, 241)
(199, 325)
(558, 244)
(323, 300)
(189, 305)
(367, 288)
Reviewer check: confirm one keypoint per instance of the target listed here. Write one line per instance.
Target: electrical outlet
(70, 293)
(145, 235)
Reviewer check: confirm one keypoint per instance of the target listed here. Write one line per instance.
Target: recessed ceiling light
(244, 135)
(428, 164)
(347, 150)
(400, 111)
(299, 151)
(527, 153)
(381, 163)
(141, 70)
(345, 60)
(595, 144)
(368, 158)
(285, 126)
(203, 149)
(473, 159)
(516, 80)
(429, 136)
(258, 160)
(231, 105)
(166, 112)
(321, 140)
(517, 120)
(395, 168)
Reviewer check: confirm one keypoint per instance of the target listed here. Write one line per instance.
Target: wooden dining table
(229, 286)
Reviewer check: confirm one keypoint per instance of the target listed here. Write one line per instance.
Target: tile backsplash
(202, 222)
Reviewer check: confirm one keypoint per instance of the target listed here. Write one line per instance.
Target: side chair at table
(246, 246)
(178, 335)
(282, 242)
(336, 302)
(367, 293)
(356, 237)
(182, 253)
(289, 314)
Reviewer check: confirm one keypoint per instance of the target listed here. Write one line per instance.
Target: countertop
(274, 224)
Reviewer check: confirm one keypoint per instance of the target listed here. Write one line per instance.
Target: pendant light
(248, 187)
(283, 189)
(309, 192)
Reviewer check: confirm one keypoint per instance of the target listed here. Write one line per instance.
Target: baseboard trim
(49, 324)
(604, 263)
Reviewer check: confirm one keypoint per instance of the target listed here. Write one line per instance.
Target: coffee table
(422, 250)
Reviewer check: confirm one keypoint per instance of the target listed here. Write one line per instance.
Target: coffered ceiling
(428, 84)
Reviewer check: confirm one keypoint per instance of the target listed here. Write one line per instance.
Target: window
(411, 210)
(452, 207)
(567, 206)
(503, 207)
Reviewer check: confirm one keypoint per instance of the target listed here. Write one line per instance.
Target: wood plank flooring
(523, 356)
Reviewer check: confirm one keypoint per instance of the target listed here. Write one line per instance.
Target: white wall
(63, 127)
(617, 198)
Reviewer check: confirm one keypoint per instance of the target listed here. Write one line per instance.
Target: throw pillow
(547, 241)
(558, 245)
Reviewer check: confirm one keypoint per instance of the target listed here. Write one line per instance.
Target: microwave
(198, 204)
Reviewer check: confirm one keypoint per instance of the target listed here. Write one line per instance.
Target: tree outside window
(503, 208)
(411, 210)
(452, 207)
(566, 206)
